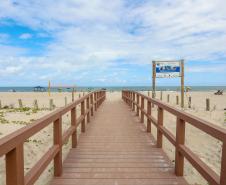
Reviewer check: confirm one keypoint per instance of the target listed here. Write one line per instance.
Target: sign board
(168, 69)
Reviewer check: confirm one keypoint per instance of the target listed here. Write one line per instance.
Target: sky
(110, 43)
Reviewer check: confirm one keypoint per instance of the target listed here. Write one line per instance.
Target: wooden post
(0, 104)
(73, 123)
(168, 98)
(149, 114)
(15, 166)
(207, 104)
(148, 93)
(223, 164)
(133, 101)
(177, 100)
(57, 135)
(127, 101)
(79, 95)
(160, 123)
(129, 96)
(189, 102)
(73, 94)
(182, 83)
(51, 104)
(95, 99)
(87, 108)
(138, 101)
(83, 126)
(180, 139)
(65, 101)
(92, 105)
(153, 79)
(142, 109)
(20, 103)
(36, 104)
(161, 95)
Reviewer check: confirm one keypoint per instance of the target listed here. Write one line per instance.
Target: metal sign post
(168, 69)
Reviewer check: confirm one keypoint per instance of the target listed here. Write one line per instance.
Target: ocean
(116, 88)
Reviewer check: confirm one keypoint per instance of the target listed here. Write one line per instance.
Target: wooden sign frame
(181, 76)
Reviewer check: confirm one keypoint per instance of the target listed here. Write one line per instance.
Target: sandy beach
(206, 147)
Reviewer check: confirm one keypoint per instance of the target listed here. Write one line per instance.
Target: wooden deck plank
(117, 150)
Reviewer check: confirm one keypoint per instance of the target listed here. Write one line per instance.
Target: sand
(206, 147)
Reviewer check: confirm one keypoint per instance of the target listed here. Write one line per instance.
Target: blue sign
(168, 69)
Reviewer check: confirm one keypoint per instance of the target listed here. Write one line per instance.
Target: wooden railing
(136, 101)
(12, 145)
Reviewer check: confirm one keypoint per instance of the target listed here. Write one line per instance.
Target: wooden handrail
(12, 145)
(181, 150)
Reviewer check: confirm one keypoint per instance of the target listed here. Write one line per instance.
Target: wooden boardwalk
(117, 150)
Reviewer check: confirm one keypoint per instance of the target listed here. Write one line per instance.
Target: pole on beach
(36, 104)
(168, 98)
(182, 83)
(161, 95)
(73, 94)
(0, 104)
(51, 106)
(20, 103)
(207, 104)
(177, 100)
(189, 102)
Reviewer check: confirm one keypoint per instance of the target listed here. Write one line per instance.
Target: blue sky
(104, 43)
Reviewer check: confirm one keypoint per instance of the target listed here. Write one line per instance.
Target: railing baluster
(92, 105)
(180, 139)
(83, 125)
(57, 135)
(95, 99)
(149, 114)
(142, 109)
(223, 164)
(87, 108)
(160, 123)
(15, 166)
(133, 101)
(73, 123)
(129, 96)
(138, 104)
(98, 99)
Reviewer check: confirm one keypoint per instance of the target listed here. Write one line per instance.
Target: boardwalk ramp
(117, 150)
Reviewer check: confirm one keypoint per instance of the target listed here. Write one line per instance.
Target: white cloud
(10, 70)
(25, 36)
(213, 68)
(97, 35)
